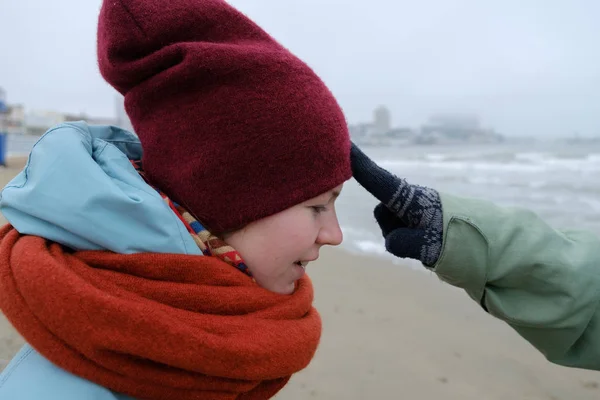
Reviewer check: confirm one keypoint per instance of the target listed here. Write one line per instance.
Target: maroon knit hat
(234, 127)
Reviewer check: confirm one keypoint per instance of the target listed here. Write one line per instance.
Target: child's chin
(285, 289)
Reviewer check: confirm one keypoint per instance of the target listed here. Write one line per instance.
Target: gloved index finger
(382, 184)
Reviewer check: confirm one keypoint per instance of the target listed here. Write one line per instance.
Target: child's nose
(331, 233)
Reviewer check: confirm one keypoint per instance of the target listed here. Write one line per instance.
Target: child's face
(273, 246)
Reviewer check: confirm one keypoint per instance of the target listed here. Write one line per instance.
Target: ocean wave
(594, 204)
(371, 243)
(594, 157)
(540, 186)
(377, 250)
(370, 247)
(517, 162)
(363, 241)
(402, 166)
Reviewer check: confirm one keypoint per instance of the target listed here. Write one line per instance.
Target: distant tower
(382, 120)
(3, 111)
(123, 120)
(3, 103)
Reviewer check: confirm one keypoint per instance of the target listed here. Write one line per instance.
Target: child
(172, 267)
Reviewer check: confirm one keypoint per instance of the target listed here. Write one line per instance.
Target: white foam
(436, 157)
(466, 166)
(367, 246)
(486, 180)
(594, 158)
(538, 184)
(363, 241)
(522, 162)
(593, 203)
(533, 158)
(353, 231)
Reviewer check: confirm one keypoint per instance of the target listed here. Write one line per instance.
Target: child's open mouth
(302, 264)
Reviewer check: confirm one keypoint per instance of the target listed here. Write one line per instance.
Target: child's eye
(319, 209)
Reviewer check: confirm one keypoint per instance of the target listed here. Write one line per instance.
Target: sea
(559, 181)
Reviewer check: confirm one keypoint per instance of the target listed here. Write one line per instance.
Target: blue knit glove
(410, 216)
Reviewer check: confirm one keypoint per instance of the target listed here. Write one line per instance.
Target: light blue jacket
(79, 189)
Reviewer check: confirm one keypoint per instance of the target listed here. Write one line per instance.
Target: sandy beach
(391, 332)
(10, 341)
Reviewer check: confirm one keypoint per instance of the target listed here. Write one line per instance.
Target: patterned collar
(209, 244)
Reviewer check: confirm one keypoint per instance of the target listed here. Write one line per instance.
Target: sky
(525, 67)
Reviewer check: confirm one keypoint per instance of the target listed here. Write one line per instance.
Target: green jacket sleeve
(543, 282)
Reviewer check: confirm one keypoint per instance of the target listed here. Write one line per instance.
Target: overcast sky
(526, 67)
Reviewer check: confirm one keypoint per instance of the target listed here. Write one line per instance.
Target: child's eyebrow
(335, 194)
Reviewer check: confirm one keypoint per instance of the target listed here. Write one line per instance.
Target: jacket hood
(79, 189)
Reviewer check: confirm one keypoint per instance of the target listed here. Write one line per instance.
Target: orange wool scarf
(155, 326)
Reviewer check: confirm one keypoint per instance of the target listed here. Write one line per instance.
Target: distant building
(380, 132)
(14, 120)
(90, 120)
(3, 110)
(382, 120)
(12, 117)
(3, 101)
(455, 121)
(439, 129)
(361, 131)
(401, 133)
(37, 122)
(453, 128)
(123, 120)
